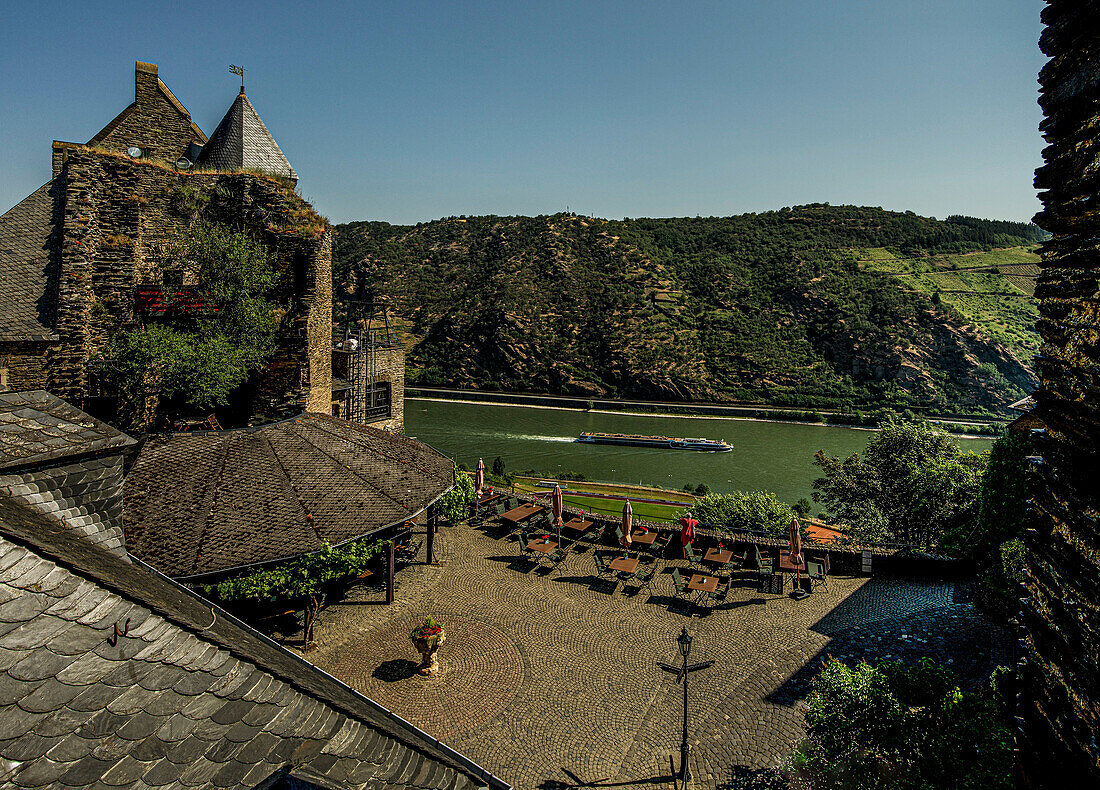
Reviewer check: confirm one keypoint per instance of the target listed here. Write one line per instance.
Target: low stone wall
(843, 560)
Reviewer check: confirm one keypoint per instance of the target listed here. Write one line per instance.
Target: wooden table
(643, 538)
(624, 564)
(717, 555)
(543, 546)
(578, 525)
(787, 566)
(521, 513)
(701, 583)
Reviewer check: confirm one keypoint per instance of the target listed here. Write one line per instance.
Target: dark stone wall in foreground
(1061, 705)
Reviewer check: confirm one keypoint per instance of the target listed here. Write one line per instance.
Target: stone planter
(427, 648)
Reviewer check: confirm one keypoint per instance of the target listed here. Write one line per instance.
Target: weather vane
(238, 70)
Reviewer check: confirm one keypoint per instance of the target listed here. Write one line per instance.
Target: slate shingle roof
(28, 267)
(206, 502)
(186, 697)
(37, 427)
(243, 141)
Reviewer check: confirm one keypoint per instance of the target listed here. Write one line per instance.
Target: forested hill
(788, 307)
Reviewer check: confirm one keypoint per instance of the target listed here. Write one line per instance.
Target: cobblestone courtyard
(553, 681)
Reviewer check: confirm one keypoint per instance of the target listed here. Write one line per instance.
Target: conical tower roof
(243, 141)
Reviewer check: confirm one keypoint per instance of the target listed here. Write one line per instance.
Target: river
(767, 456)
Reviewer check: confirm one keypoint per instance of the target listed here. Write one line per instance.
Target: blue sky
(409, 111)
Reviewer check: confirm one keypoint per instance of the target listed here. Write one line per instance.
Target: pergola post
(429, 553)
(389, 571)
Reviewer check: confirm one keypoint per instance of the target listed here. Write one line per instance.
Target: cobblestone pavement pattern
(551, 681)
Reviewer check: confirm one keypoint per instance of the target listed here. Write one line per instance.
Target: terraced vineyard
(992, 290)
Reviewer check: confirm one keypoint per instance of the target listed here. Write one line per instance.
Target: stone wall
(119, 218)
(84, 495)
(24, 364)
(156, 122)
(1061, 681)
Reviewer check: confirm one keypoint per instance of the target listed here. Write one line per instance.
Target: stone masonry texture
(1061, 706)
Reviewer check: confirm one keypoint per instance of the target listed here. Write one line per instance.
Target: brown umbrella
(556, 504)
(479, 478)
(796, 549)
(628, 523)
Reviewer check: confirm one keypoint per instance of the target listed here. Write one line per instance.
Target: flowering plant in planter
(428, 631)
(428, 637)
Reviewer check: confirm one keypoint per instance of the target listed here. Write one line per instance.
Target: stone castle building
(1061, 683)
(86, 253)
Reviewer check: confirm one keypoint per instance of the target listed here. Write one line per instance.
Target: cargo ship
(669, 442)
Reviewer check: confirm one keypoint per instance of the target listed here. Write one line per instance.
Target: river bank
(963, 429)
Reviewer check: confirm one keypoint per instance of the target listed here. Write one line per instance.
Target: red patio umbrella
(687, 530)
(628, 523)
(796, 550)
(556, 504)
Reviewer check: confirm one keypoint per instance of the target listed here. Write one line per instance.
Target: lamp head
(683, 641)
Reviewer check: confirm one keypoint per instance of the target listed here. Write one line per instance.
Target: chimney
(145, 81)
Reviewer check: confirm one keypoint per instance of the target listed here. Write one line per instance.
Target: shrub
(455, 504)
(893, 726)
(754, 510)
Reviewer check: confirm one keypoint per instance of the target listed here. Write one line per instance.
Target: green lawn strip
(619, 489)
(613, 507)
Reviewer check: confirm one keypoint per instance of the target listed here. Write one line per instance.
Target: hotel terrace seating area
(551, 671)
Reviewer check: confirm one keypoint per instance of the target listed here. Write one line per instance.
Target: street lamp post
(683, 641)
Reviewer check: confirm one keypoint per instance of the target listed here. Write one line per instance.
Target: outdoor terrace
(551, 679)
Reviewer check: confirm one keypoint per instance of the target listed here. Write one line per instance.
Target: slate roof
(243, 141)
(37, 427)
(186, 696)
(206, 502)
(28, 268)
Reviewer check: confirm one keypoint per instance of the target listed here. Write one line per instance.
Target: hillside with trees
(812, 305)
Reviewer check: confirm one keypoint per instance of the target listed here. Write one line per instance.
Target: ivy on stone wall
(193, 360)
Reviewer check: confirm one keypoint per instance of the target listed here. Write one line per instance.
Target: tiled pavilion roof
(206, 502)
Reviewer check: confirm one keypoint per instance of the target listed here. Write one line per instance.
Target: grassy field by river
(651, 511)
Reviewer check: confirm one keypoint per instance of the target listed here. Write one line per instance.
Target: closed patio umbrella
(628, 523)
(796, 550)
(556, 504)
(479, 478)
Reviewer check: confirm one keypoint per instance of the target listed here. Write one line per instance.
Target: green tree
(896, 727)
(755, 510)
(196, 359)
(802, 507)
(302, 581)
(911, 486)
(499, 469)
